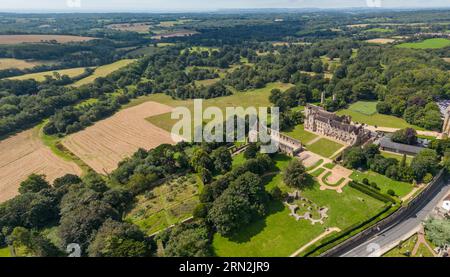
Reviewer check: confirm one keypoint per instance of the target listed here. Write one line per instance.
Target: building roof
(335, 121)
(386, 142)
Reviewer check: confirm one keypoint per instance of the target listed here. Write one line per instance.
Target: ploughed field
(106, 143)
(16, 39)
(24, 154)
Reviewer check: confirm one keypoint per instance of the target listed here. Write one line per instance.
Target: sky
(204, 5)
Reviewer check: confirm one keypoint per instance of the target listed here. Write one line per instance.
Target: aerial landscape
(357, 101)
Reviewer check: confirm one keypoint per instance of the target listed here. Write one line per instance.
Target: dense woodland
(324, 57)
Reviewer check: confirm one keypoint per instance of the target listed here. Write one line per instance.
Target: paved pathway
(321, 236)
(421, 240)
(392, 130)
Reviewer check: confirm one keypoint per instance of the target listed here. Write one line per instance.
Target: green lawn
(362, 112)
(325, 147)
(238, 160)
(279, 235)
(398, 157)
(299, 133)
(384, 183)
(4, 252)
(433, 43)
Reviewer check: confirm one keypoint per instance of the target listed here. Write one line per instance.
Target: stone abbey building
(340, 128)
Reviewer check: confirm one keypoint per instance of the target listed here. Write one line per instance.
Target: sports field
(433, 43)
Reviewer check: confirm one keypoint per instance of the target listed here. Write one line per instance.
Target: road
(402, 229)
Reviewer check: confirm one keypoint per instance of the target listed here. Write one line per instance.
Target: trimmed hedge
(372, 192)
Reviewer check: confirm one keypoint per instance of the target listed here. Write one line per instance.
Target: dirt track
(24, 154)
(103, 145)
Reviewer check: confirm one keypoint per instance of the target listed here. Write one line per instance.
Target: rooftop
(388, 143)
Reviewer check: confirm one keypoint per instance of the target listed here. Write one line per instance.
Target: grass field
(279, 235)
(379, 30)
(433, 43)
(253, 98)
(238, 160)
(4, 252)
(384, 183)
(325, 147)
(19, 64)
(103, 71)
(398, 157)
(40, 77)
(362, 112)
(165, 205)
(299, 133)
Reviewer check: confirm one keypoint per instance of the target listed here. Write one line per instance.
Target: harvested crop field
(19, 64)
(16, 39)
(24, 154)
(139, 27)
(40, 76)
(381, 40)
(103, 145)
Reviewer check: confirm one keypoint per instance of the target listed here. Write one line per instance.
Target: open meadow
(103, 145)
(433, 43)
(24, 154)
(365, 112)
(103, 71)
(40, 76)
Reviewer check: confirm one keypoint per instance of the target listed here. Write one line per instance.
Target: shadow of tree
(256, 227)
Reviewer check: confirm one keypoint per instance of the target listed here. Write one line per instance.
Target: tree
(34, 183)
(31, 243)
(68, 179)
(295, 174)
(222, 159)
(438, 231)
(383, 108)
(119, 239)
(239, 204)
(79, 225)
(425, 162)
(405, 136)
(200, 159)
(95, 182)
(187, 240)
(354, 158)
(251, 151)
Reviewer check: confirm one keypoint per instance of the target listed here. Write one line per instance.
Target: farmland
(434, 43)
(16, 39)
(103, 71)
(251, 98)
(103, 145)
(40, 77)
(381, 40)
(16, 63)
(139, 27)
(24, 154)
